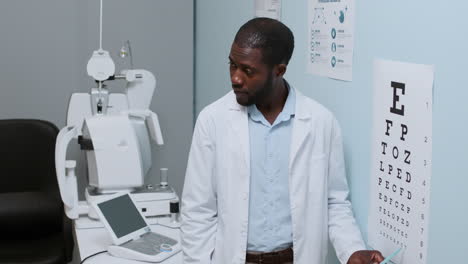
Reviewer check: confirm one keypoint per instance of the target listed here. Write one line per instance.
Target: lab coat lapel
(240, 130)
(301, 127)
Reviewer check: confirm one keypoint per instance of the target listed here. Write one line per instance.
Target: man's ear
(280, 69)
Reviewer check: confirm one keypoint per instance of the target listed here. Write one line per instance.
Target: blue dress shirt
(270, 226)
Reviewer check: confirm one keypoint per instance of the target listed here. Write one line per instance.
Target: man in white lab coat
(265, 179)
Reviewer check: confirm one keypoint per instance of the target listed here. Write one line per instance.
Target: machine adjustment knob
(174, 206)
(165, 248)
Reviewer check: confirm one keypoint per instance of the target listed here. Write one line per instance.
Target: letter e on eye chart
(401, 160)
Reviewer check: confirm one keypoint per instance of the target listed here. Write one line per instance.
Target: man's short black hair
(271, 36)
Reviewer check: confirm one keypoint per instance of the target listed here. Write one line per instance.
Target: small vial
(126, 54)
(163, 182)
(123, 52)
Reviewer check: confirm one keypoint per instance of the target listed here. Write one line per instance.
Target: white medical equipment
(131, 235)
(115, 130)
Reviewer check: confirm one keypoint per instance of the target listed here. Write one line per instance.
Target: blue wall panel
(425, 32)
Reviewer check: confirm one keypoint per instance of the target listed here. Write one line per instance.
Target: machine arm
(65, 170)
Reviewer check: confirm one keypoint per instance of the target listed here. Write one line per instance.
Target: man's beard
(261, 93)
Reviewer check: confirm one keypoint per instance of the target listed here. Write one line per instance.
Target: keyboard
(151, 244)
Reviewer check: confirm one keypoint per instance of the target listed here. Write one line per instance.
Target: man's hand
(366, 257)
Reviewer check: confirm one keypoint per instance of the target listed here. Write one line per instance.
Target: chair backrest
(27, 155)
(29, 197)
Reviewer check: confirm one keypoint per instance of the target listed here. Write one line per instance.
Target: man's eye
(248, 71)
(232, 65)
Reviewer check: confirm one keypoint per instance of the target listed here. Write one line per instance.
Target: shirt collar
(288, 111)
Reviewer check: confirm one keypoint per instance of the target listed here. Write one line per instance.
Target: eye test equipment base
(115, 131)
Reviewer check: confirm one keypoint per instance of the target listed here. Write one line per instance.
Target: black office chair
(33, 226)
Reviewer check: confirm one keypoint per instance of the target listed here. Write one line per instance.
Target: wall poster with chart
(401, 160)
(331, 38)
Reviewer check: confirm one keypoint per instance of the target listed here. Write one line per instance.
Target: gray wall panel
(46, 44)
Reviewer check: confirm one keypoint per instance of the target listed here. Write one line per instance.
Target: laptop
(131, 235)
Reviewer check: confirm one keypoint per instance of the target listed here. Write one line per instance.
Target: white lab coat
(215, 199)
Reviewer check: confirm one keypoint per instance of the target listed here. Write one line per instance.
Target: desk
(91, 240)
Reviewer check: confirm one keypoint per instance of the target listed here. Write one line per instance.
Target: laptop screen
(122, 215)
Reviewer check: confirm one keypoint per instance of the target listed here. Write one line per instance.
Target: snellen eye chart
(401, 160)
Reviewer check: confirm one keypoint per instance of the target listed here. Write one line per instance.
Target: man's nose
(236, 79)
